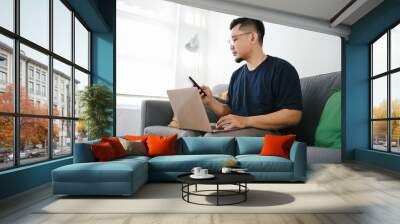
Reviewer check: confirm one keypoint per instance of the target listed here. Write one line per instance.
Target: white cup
(203, 172)
(226, 170)
(196, 170)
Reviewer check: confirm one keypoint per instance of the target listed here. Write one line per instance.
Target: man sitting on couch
(264, 95)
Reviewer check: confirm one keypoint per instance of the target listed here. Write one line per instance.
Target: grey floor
(378, 188)
(354, 182)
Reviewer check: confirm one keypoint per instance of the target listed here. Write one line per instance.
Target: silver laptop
(189, 110)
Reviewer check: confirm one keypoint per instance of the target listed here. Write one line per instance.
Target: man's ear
(254, 37)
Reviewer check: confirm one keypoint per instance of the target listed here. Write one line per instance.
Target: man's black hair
(248, 22)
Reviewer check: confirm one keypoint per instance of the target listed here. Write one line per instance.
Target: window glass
(395, 136)
(35, 21)
(379, 55)
(379, 97)
(62, 29)
(62, 138)
(81, 131)
(395, 95)
(6, 74)
(81, 45)
(6, 142)
(7, 14)
(62, 91)
(33, 140)
(81, 82)
(39, 62)
(395, 47)
(379, 135)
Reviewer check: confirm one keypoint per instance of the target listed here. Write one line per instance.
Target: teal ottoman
(119, 177)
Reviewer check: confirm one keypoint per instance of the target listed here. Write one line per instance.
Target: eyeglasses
(233, 39)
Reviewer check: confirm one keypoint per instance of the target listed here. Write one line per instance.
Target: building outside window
(44, 77)
(43, 90)
(3, 72)
(37, 74)
(38, 89)
(30, 72)
(34, 78)
(30, 87)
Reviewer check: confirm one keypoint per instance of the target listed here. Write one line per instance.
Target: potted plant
(96, 102)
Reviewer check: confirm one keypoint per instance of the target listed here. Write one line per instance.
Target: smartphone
(197, 85)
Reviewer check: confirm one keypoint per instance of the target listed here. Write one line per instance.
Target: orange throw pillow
(116, 145)
(277, 145)
(103, 151)
(161, 145)
(142, 138)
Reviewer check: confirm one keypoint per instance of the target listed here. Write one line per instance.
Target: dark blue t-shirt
(272, 86)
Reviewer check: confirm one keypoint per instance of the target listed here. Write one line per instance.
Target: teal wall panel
(356, 85)
(24, 178)
(99, 16)
(103, 63)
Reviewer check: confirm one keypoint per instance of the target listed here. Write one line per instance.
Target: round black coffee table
(238, 179)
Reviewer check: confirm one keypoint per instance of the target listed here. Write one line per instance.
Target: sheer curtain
(159, 44)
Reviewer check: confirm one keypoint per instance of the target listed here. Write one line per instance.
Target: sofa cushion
(142, 138)
(315, 90)
(257, 163)
(208, 145)
(161, 145)
(277, 145)
(329, 131)
(135, 147)
(103, 152)
(185, 163)
(249, 145)
(112, 171)
(116, 145)
(131, 158)
(164, 130)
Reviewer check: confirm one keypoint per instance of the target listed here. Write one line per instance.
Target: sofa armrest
(155, 112)
(298, 155)
(83, 152)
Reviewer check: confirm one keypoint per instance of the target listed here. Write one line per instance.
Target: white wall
(311, 53)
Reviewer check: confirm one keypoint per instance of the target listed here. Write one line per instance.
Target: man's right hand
(207, 100)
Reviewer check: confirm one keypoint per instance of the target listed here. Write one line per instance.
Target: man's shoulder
(277, 61)
(240, 69)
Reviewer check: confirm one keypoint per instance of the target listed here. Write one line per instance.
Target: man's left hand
(231, 121)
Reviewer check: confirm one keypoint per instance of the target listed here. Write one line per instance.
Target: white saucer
(208, 176)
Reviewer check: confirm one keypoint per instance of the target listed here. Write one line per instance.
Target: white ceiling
(314, 15)
(320, 9)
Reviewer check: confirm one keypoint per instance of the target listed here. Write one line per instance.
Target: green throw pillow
(329, 131)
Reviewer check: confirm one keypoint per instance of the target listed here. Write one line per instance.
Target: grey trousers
(250, 132)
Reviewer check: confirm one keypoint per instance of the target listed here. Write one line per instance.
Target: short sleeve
(230, 89)
(288, 94)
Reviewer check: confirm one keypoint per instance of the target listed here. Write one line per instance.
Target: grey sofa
(316, 90)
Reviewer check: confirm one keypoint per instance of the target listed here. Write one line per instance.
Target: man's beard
(238, 60)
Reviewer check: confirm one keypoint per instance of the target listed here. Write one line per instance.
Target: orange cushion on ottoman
(161, 145)
(116, 145)
(103, 151)
(277, 145)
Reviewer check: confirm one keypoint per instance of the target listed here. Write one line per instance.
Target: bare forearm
(219, 108)
(275, 121)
